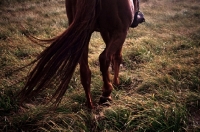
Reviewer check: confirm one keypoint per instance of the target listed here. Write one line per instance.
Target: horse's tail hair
(56, 64)
(34, 39)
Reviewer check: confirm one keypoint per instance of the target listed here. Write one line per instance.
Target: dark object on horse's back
(138, 18)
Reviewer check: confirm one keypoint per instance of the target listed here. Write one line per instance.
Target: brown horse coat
(56, 64)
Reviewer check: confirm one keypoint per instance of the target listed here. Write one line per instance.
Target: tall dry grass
(160, 73)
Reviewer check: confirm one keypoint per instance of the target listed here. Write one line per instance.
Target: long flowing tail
(56, 64)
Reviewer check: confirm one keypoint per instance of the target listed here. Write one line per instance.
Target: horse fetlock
(107, 89)
(116, 81)
(89, 105)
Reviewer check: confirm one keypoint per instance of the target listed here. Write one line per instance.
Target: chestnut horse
(56, 64)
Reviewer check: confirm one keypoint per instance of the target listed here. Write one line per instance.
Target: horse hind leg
(116, 61)
(112, 51)
(85, 74)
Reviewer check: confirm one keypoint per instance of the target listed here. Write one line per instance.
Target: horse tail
(56, 64)
(34, 39)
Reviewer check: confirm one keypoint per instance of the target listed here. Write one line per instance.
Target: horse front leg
(85, 74)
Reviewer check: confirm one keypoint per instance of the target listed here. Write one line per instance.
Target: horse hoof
(105, 100)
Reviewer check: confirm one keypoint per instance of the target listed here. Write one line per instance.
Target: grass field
(160, 73)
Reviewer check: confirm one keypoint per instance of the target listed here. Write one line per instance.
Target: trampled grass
(160, 73)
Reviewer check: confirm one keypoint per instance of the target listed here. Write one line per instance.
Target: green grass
(160, 72)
